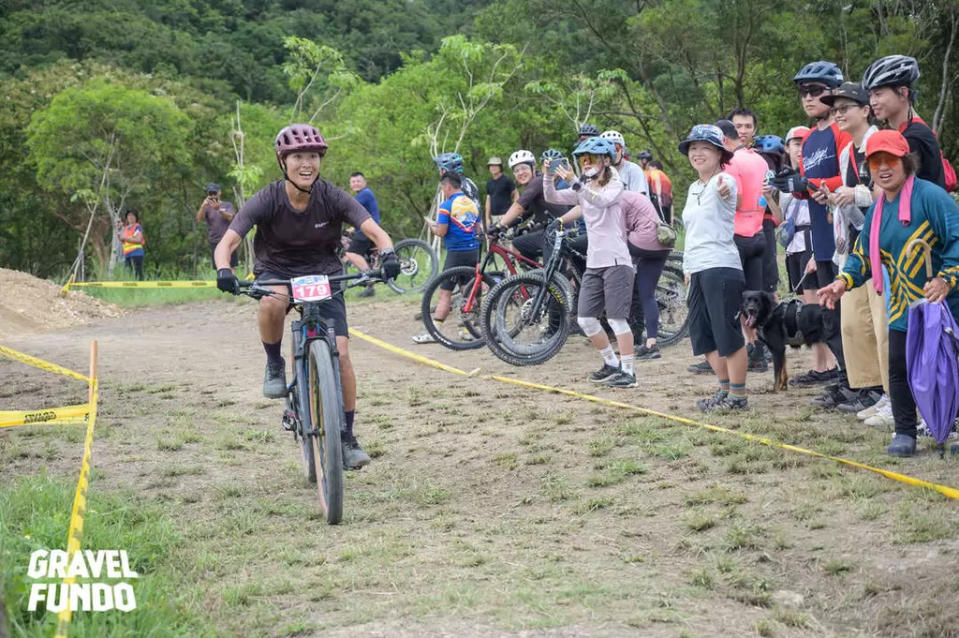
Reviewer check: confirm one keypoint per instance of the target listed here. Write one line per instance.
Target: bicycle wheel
(301, 410)
(673, 311)
(461, 330)
(418, 264)
(514, 330)
(326, 417)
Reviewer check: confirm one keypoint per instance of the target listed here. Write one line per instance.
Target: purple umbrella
(932, 362)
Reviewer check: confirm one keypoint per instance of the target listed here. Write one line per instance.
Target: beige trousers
(865, 337)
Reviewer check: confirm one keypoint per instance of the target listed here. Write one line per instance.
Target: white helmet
(613, 136)
(521, 157)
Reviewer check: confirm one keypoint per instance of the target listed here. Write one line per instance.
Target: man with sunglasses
(817, 177)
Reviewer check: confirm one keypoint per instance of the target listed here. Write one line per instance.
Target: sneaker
(604, 373)
(815, 378)
(369, 291)
(274, 380)
(864, 399)
(882, 418)
(424, 338)
(621, 380)
(757, 365)
(757, 357)
(702, 367)
(902, 445)
(723, 403)
(862, 415)
(642, 352)
(834, 395)
(354, 457)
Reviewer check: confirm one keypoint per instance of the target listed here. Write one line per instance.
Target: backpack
(949, 173)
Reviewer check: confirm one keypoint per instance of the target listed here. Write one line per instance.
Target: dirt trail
(491, 510)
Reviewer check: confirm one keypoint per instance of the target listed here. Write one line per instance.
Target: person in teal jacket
(910, 209)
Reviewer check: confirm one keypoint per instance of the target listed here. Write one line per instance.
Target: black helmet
(550, 154)
(645, 155)
(892, 70)
(588, 130)
(824, 72)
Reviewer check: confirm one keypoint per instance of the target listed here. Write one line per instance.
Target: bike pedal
(290, 422)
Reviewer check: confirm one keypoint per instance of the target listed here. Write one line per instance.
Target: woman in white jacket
(608, 280)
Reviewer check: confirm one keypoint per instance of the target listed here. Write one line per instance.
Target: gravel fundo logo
(81, 581)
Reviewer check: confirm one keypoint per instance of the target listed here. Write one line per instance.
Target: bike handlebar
(257, 289)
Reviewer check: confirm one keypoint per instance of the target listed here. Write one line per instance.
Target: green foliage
(388, 90)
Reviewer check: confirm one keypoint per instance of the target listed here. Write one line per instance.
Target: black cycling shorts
(715, 296)
(361, 245)
(332, 311)
(751, 251)
(455, 259)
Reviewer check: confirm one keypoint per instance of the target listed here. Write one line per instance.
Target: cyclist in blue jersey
(458, 224)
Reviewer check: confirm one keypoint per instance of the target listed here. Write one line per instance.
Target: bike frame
(510, 257)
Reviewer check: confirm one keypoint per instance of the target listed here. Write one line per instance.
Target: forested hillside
(123, 104)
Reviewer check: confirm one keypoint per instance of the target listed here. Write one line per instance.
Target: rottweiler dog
(789, 323)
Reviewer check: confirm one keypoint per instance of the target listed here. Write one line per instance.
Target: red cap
(887, 141)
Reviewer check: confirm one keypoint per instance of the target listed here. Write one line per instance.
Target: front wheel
(326, 417)
(461, 329)
(418, 264)
(526, 320)
(673, 311)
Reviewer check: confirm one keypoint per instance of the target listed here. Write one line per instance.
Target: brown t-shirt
(291, 243)
(217, 223)
(535, 204)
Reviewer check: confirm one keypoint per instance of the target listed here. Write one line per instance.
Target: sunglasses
(841, 110)
(876, 160)
(592, 159)
(812, 90)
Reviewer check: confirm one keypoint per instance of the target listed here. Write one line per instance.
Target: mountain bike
(314, 399)
(526, 317)
(418, 263)
(461, 330)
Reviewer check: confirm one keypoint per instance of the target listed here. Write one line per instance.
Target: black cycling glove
(789, 181)
(227, 281)
(389, 264)
(495, 231)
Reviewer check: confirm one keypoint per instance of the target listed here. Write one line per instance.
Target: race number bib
(311, 288)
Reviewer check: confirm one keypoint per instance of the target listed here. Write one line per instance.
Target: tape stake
(75, 533)
(950, 492)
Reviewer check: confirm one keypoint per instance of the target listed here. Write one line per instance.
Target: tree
(103, 142)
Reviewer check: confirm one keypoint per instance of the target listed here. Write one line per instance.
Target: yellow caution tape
(142, 284)
(71, 414)
(75, 534)
(950, 492)
(40, 363)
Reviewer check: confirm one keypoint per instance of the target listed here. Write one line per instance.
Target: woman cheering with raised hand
(713, 268)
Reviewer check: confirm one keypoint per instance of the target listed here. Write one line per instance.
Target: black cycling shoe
(274, 380)
(815, 378)
(354, 457)
(642, 352)
(702, 367)
(604, 373)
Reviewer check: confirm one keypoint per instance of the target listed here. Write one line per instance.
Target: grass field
(489, 510)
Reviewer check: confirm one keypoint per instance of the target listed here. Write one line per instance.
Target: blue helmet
(596, 146)
(825, 72)
(706, 133)
(769, 144)
(550, 154)
(449, 162)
